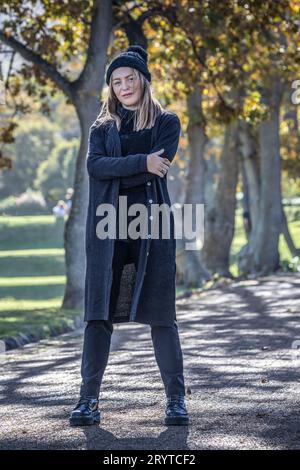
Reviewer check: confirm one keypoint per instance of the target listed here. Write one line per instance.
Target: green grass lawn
(32, 272)
(32, 275)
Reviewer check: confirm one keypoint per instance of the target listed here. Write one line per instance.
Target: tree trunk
(74, 234)
(220, 212)
(189, 267)
(250, 172)
(260, 256)
(86, 100)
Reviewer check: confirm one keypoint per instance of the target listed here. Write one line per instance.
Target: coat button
(149, 183)
(147, 253)
(149, 235)
(150, 200)
(151, 217)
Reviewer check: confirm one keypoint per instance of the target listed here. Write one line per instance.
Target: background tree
(49, 36)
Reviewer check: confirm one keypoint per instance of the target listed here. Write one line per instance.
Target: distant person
(61, 209)
(69, 197)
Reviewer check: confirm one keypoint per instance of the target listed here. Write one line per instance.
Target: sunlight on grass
(13, 304)
(25, 220)
(32, 281)
(32, 252)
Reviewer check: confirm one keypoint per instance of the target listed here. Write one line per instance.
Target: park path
(241, 372)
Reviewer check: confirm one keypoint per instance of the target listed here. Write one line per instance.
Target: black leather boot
(176, 412)
(86, 412)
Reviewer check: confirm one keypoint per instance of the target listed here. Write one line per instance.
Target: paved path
(240, 366)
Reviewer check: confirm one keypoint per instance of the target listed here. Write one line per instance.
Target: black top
(132, 142)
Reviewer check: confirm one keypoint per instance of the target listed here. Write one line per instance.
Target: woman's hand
(157, 165)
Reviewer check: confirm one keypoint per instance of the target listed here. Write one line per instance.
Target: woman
(130, 278)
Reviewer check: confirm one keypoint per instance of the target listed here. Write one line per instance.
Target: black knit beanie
(134, 56)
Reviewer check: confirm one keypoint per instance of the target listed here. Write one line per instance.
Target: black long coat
(148, 294)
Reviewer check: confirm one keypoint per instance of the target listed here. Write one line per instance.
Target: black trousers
(97, 337)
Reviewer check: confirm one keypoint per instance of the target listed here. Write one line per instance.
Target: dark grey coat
(148, 294)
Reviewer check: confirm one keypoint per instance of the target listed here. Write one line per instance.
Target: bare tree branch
(35, 58)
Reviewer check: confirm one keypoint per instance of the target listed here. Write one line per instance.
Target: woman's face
(125, 82)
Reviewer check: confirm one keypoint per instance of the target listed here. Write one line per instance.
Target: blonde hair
(148, 109)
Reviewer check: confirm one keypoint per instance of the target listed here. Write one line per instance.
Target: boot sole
(176, 421)
(84, 420)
